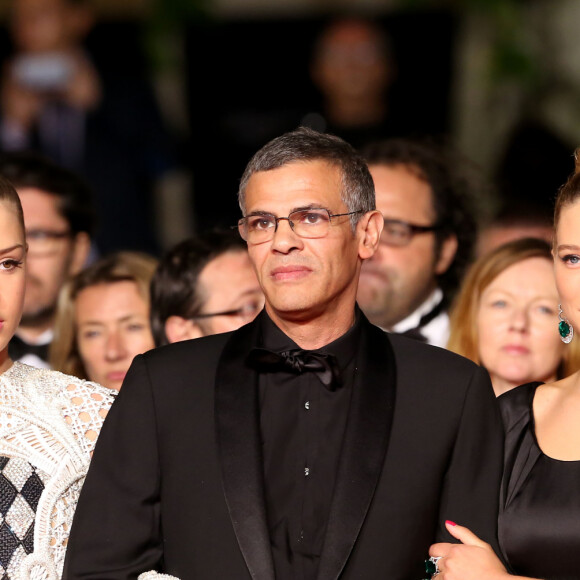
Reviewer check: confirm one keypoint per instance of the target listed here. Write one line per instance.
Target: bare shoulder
(550, 396)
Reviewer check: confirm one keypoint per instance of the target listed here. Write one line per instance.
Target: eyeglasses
(246, 312)
(306, 223)
(400, 233)
(44, 242)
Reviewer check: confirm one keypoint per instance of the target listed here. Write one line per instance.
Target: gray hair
(303, 145)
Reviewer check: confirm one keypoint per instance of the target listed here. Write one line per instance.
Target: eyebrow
(301, 208)
(12, 248)
(568, 247)
(101, 323)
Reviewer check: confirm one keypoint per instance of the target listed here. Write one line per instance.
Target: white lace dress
(49, 424)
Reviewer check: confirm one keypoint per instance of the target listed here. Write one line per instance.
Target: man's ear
(178, 329)
(80, 252)
(370, 227)
(446, 254)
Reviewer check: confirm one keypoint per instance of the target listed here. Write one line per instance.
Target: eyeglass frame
(290, 222)
(237, 312)
(414, 229)
(46, 235)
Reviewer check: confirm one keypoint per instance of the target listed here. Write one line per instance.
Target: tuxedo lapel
(238, 438)
(363, 450)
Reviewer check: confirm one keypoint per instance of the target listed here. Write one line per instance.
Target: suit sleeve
(470, 495)
(116, 529)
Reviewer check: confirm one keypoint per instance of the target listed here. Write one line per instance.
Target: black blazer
(176, 481)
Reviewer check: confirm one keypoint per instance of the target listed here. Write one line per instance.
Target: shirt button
(307, 405)
(306, 471)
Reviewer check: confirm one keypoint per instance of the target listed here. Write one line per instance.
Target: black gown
(539, 521)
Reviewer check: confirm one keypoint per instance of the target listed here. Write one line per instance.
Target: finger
(441, 549)
(464, 535)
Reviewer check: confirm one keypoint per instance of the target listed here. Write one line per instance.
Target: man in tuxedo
(427, 240)
(59, 219)
(307, 444)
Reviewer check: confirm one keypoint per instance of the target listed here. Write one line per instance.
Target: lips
(116, 375)
(289, 273)
(516, 349)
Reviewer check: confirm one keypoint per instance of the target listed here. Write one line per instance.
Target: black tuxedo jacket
(176, 480)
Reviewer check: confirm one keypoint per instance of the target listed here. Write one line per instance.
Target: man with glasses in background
(306, 445)
(204, 285)
(59, 221)
(427, 240)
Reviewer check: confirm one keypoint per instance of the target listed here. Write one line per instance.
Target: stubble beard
(39, 318)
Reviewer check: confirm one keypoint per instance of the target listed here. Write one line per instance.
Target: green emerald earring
(564, 327)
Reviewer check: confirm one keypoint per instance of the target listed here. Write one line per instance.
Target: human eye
(310, 217)
(89, 333)
(571, 259)
(546, 309)
(395, 232)
(135, 326)
(260, 222)
(10, 264)
(499, 303)
(250, 308)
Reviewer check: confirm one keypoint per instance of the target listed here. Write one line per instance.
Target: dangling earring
(564, 327)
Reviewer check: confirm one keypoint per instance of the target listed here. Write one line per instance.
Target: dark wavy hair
(174, 286)
(452, 198)
(75, 197)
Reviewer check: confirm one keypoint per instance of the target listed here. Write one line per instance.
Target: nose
(115, 346)
(285, 239)
(519, 319)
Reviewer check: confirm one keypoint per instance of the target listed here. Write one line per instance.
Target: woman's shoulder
(47, 384)
(50, 397)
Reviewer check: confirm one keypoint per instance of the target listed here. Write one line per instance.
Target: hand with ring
(473, 559)
(432, 566)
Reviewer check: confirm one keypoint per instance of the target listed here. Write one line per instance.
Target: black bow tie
(17, 348)
(298, 361)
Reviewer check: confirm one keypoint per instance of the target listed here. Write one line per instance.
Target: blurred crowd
(87, 149)
(464, 262)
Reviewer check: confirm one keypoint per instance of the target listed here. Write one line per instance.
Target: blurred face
(43, 25)
(304, 279)
(53, 254)
(112, 327)
(397, 279)
(229, 283)
(567, 263)
(518, 325)
(12, 278)
(351, 62)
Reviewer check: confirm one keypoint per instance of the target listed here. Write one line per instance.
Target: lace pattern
(48, 429)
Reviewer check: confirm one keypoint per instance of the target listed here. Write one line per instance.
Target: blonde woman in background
(506, 317)
(49, 423)
(102, 319)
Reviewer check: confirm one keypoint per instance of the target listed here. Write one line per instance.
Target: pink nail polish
(450, 523)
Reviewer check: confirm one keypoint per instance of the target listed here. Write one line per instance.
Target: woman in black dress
(539, 522)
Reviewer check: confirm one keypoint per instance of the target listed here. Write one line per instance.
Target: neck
(310, 333)
(356, 112)
(5, 361)
(31, 333)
